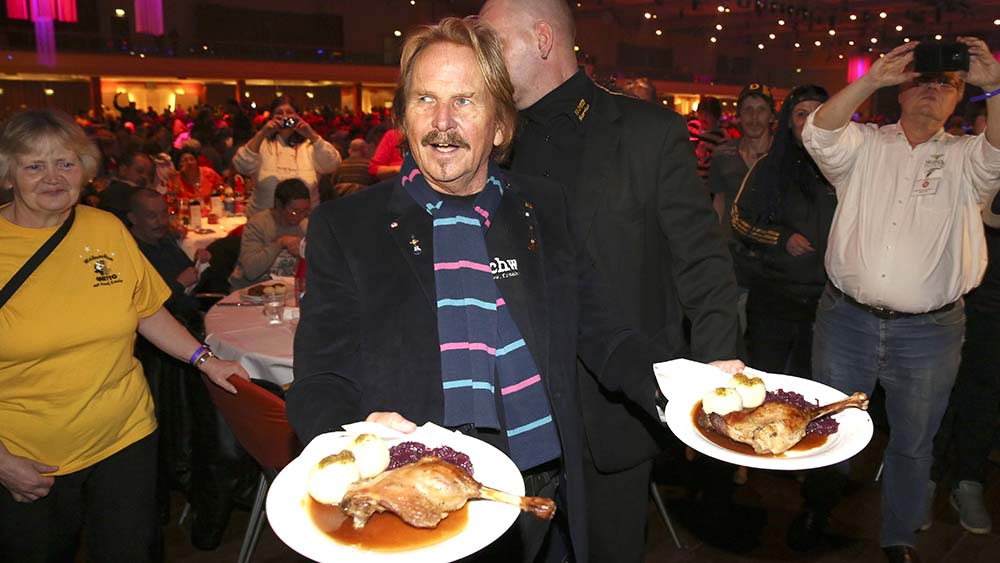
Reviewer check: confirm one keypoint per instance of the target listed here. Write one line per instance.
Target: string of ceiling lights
(803, 29)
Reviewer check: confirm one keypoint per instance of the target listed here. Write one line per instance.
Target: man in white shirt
(905, 245)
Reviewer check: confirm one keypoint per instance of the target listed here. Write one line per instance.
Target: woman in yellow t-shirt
(77, 431)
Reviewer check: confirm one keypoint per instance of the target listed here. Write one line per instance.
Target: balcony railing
(19, 38)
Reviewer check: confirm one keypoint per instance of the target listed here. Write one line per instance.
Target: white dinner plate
(685, 384)
(487, 521)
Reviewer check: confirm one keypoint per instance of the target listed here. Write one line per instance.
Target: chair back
(258, 420)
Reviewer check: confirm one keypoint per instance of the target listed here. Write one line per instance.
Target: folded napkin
(427, 433)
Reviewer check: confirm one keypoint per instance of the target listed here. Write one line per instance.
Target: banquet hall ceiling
(754, 20)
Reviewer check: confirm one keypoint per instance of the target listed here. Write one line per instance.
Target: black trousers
(198, 454)
(618, 508)
(166, 377)
(112, 502)
(219, 466)
(531, 540)
(778, 345)
(968, 424)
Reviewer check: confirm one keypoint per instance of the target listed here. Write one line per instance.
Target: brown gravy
(808, 442)
(384, 531)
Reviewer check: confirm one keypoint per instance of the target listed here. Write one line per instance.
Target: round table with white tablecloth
(192, 241)
(237, 330)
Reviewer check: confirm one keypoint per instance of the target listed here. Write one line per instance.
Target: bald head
(556, 13)
(538, 38)
(358, 147)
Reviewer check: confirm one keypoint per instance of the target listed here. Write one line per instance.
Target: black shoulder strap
(36, 259)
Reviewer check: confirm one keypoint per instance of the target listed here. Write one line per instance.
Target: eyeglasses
(299, 212)
(943, 82)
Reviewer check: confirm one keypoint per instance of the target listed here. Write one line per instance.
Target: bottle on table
(194, 208)
(215, 201)
(184, 210)
(300, 281)
(239, 203)
(228, 202)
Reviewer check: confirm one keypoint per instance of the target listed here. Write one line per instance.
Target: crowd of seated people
(185, 154)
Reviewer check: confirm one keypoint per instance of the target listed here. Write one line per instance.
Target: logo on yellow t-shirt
(102, 266)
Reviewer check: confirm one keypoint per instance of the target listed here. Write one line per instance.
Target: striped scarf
(481, 346)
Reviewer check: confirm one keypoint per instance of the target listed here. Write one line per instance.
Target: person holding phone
(905, 244)
(285, 147)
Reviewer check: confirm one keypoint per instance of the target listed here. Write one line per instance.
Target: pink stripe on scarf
(462, 264)
(468, 346)
(518, 386)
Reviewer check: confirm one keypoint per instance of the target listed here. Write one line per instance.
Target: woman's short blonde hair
(24, 130)
(485, 44)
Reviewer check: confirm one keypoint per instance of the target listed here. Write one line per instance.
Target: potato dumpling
(371, 454)
(721, 401)
(332, 476)
(751, 389)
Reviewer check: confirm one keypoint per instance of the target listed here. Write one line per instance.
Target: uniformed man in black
(641, 209)
(551, 132)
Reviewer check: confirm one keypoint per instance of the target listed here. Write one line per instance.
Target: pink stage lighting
(857, 67)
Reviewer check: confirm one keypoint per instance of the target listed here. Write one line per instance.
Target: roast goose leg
(857, 401)
(773, 428)
(425, 492)
(539, 507)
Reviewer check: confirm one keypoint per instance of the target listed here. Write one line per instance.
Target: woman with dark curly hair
(784, 210)
(194, 180)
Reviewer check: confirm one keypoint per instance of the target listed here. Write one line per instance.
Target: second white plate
(684, 393)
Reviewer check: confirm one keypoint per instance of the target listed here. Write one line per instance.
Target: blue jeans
(915, 359)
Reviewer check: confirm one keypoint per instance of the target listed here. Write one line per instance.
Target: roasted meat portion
(425, 492)
(775, 427)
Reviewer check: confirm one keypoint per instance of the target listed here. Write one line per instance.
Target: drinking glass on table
(274, 304)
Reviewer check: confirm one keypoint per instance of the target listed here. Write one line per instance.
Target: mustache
(445, 138)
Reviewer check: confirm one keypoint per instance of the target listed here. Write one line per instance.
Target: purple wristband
(985, 96)
(197, 353)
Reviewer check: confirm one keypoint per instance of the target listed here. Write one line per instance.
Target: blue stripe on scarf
(467, 302)
(493, 180)
(530, 426)
(481, 385)
(456, 221)
(510, 347)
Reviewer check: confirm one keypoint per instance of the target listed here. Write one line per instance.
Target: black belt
(538, 477)
(548, 469)
(883, 312)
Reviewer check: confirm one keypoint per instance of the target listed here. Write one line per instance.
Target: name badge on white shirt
(925, 186)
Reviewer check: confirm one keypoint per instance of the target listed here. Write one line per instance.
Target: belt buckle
(882, 312)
